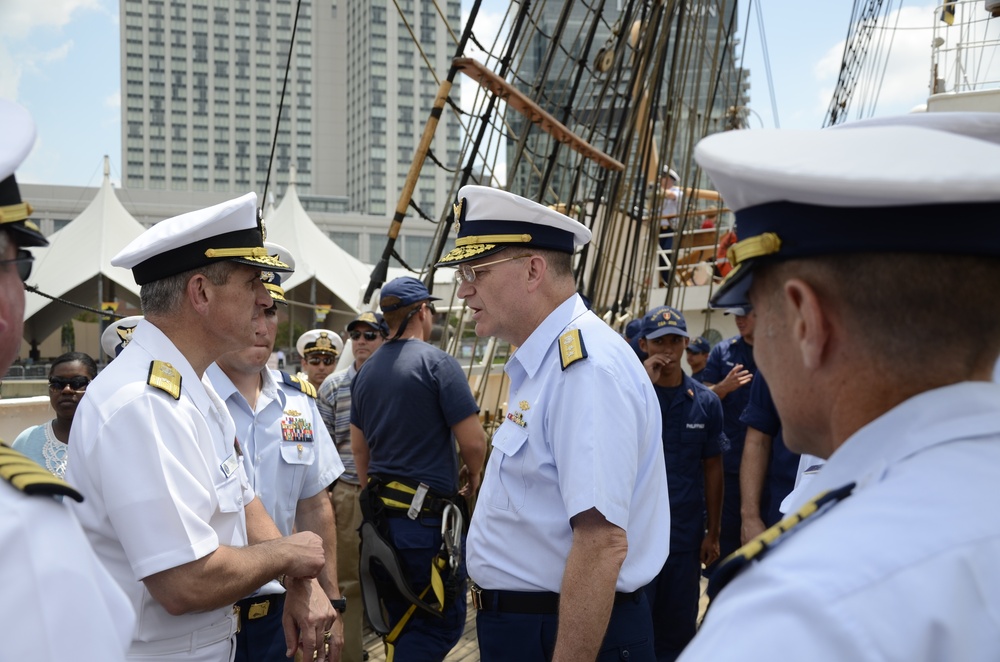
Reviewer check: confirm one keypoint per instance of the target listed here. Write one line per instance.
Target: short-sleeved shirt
(692, 432)
(287, 452)
(334, 402)
(903, 568)
(405, 399)
(162, 480)
(587, 437)
(720, 362)
(761, 414)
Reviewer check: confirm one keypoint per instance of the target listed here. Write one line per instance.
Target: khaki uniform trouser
(347, 510)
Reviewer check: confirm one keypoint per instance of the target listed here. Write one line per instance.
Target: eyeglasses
(369, 335)
(430, 307)
(467, 273)
(23, 261)
(325, 360)
(79, 383)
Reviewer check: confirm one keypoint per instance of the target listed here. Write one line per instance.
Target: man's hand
(308, 616)
(655, 365)
(709, 549)
(736, 378)
(304, 554)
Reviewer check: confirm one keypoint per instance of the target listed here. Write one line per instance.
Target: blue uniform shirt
(760, 413)
(692, 432)
(721, 360)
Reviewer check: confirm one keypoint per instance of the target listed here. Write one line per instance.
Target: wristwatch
(340, 604)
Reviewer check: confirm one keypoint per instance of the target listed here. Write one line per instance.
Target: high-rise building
(202, 84)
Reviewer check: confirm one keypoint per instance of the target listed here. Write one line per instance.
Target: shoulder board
(571, 348)
(757, 549)
(27, 476)
(163, 376)
(299, 384)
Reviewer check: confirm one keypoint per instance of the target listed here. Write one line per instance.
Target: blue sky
(60, 59)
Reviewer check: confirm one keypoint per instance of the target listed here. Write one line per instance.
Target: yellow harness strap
(437, 584)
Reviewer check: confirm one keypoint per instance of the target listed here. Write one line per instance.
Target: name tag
(230, 465)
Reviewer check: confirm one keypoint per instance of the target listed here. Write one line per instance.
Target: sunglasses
(24, 260)
(79, 383)
(369, 335)
(430, 307)
(325, 360)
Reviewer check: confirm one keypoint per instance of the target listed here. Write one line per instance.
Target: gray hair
(164, 296)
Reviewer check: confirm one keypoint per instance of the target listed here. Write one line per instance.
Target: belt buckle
(258, 610)
(477, 597)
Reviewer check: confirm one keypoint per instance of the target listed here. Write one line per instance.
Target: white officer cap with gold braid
(17, 135)
(118, 335)
(319, 341)
(226, 231)
(272, 279)
(881, 186)
(488, 220)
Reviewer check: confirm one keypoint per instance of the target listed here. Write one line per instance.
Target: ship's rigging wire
(281, 103)
(767, 66)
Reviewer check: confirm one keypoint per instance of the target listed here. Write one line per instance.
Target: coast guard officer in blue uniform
(573, 517)
(692, 446)
(290, 459)
(728, 372)
(878, 337)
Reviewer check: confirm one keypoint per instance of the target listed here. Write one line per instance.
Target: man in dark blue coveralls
(728, 373)
(693, 439)
(768, 469)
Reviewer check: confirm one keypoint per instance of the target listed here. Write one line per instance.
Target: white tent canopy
(76, 266)
(325, 274)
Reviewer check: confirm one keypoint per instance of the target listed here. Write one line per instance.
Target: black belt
(529, 602)
(250, 609)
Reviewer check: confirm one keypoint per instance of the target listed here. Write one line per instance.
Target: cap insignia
(125, 334)
(324, 342)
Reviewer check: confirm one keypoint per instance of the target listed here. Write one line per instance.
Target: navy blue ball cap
(633, 328)
(699, 346)
(487, 220)
(878, 186)
(372, 319)
(663, 321)
(407, 290)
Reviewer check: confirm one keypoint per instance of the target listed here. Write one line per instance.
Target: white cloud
(896, 73)
(19, 17)
(113, 100)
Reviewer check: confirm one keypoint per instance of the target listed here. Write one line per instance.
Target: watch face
(340, 604)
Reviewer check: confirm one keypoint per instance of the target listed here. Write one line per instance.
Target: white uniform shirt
(60, 602)
(903, 569)
(590, 439)
(287, 451)
(162, 483)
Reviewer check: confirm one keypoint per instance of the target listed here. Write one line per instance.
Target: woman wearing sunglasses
(47, 444)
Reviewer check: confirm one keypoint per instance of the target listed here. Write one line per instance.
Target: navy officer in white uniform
(290, 459)
(877, 332)
(60, 603)
(168, 506)
(573, 516)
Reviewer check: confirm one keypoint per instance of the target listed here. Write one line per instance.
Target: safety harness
(386, 497)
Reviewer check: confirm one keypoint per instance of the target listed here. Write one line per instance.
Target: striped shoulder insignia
(27, 476)
(571, 348)
(755, 550)
(299, 384)
(163, 376)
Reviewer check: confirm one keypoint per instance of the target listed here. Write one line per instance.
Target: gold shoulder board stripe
(571, 348)
(299, 383)
(30, 478)
(755, 550)
(163, 376)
